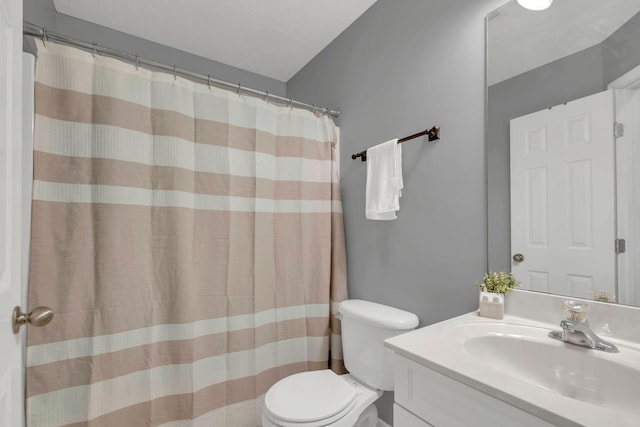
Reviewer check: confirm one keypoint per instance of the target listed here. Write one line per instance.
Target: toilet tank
(365, 326)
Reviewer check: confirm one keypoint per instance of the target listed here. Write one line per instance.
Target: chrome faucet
(576, 330)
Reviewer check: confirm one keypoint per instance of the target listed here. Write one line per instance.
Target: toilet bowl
(325, 399)
(319, 399)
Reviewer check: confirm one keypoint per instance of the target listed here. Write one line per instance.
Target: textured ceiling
(274, 38)
(521, 40)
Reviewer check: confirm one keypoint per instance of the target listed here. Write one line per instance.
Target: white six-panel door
(11, 357)
(563, 197)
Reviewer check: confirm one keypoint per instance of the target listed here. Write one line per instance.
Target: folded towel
(384, 180)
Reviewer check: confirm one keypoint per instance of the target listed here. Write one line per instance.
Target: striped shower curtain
(189, 241)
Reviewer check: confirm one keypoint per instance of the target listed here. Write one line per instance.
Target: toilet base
(368, 418)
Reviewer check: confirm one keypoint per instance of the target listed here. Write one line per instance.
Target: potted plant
(492, 290)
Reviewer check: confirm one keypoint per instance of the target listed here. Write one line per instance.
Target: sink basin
(526, 353)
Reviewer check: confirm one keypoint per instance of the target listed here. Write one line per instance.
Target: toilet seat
(316, 399)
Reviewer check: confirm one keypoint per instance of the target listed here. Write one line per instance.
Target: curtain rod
(433, 133)
(30, 29)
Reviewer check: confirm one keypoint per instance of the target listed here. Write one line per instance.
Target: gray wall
(404, 66)
(42, 13)
(622, 50)
(581, 74)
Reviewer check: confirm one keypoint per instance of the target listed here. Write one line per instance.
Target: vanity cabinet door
(442, 401)
(404, 418)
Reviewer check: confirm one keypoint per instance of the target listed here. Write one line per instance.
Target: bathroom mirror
(563, 178)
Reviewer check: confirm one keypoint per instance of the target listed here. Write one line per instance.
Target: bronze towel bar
(433, 134)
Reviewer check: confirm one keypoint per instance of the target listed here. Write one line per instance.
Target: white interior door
(627, 102)
(11, 248)
(563, 197)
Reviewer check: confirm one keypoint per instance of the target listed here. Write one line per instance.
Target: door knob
(518, 257)
(39, 316)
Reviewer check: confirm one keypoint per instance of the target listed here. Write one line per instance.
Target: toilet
(323, 398)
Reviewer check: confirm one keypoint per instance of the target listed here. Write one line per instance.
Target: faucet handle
(576, 310)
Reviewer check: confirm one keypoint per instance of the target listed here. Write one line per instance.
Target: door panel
(563, 197)
(11, 345)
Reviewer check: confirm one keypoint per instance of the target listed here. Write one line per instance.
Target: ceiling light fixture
(535, 4)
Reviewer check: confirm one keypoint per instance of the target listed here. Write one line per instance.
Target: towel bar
(433, 134)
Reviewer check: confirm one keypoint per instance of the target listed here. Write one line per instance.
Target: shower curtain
(189, 241)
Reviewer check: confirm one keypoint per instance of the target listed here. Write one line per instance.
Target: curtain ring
(238, 91)
(44, 37)
(266, 97)
(314, 108)
(137, 62)
(95, 49)
(209, 81)
(175, 73)
(291, 103)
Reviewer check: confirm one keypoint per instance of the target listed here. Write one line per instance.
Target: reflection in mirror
(564, 179)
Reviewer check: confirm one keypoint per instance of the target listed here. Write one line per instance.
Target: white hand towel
(384, 180)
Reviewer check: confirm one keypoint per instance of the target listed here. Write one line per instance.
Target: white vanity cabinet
(427, 398)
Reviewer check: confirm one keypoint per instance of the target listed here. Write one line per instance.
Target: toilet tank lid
(378, 315)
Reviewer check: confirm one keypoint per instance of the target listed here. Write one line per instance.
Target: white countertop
(435, 347)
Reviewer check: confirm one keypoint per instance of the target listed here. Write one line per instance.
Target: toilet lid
(309, 396)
